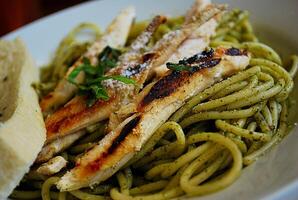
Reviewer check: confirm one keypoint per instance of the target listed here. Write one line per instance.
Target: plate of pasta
(164, 100)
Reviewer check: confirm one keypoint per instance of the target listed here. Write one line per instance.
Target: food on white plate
(22, 129)
(177, 108)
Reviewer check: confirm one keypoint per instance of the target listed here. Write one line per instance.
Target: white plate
(274, 176)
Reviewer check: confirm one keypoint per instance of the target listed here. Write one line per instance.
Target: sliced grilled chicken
(53, 166)
(43, 156)
(76, 115)
(166, 96)
(51, 149)
(114, 36)
(102, 109)
(198, 40)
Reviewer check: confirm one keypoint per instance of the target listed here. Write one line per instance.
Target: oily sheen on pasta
(203, 146)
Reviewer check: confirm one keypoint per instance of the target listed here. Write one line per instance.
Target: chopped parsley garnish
(94, 75)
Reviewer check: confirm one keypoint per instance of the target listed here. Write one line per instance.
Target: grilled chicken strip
(53, 166)
(51, 149)
(114, 36)
(76, 115)
(166, 96)
(197, 7)
(198, 40)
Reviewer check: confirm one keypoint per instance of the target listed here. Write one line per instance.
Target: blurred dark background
(16, 13)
